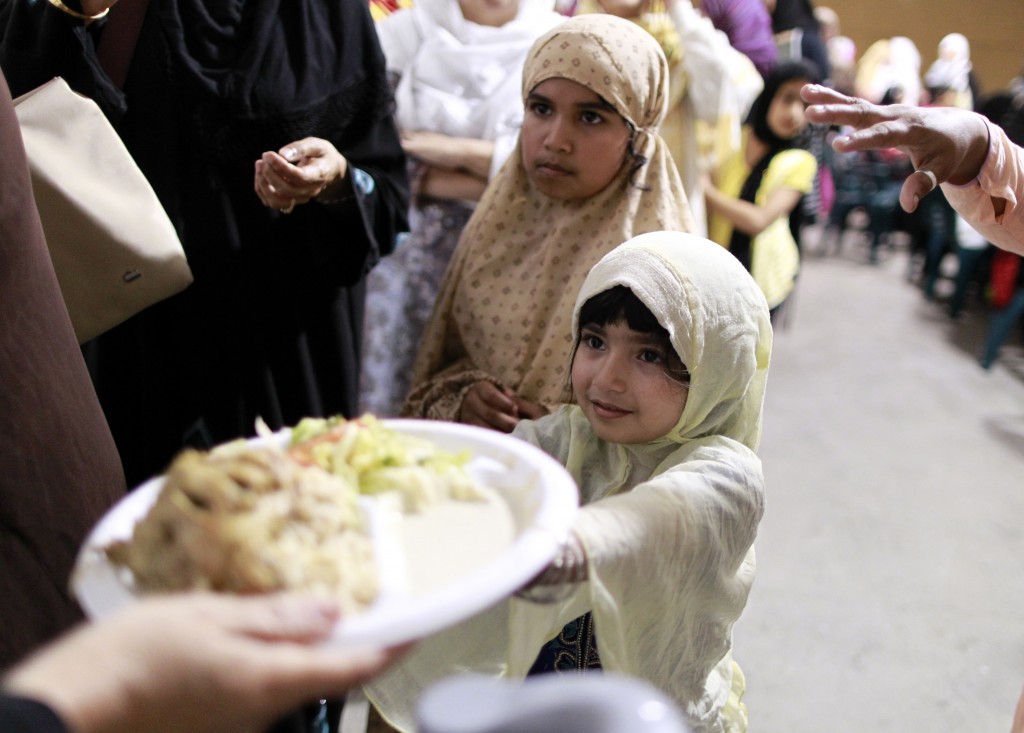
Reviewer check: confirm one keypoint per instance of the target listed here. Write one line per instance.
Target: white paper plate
(436, 569)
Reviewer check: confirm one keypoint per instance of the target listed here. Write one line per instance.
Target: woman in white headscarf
(890, 65)
(661, 554)
(458, 65)
(949, 77)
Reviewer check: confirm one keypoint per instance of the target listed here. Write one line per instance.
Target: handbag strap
(120, 35)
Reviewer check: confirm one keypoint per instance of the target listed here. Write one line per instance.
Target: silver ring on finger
(931, 176)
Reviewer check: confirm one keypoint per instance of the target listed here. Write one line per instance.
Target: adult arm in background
(453, 167)
(748, 24)
(720, 79)
(467, 154)
(363, 185)
(981, 171)
(39, 41)
(195, 663)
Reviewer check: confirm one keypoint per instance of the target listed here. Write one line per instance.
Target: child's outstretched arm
(750, 218)
(568, 568)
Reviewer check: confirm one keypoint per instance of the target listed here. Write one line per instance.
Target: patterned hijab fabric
(506, 305)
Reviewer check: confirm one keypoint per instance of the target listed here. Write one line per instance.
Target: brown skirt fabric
(59, 468)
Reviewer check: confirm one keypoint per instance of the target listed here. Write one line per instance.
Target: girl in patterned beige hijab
(589, 172)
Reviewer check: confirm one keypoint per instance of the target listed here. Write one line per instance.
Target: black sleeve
(382, 204)
(378, 213)
(21, 715)
(379, 171)
(346, 240)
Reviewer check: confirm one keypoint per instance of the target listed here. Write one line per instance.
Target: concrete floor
(890, 589)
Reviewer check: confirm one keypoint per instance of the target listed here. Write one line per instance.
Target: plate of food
(412, 525)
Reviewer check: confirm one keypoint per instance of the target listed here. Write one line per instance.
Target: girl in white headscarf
(458, 65)
(673, 343)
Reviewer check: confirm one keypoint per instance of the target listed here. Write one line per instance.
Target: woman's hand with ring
(944, 143)
(299, 172)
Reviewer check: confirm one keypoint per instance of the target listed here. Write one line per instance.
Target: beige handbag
(113, 247)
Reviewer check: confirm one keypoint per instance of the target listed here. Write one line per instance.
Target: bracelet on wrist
(75, 14)
(562, 576)
(336, 200)
(569, 564)
(546, 594)
(345, 190)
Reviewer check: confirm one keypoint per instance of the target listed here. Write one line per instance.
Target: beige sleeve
(440, 397)
(681, 541)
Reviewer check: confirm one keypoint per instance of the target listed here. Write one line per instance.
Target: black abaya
(271, 326)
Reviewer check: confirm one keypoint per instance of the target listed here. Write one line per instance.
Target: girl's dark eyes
(592, 341)
(542, 109)
(651, 357)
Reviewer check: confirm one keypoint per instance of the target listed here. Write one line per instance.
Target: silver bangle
(559, 579)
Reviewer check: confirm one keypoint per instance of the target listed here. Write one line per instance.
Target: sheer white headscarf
(668, 525)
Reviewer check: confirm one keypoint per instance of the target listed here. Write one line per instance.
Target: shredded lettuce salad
(377, 459)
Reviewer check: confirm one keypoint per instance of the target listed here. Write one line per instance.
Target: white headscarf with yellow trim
(668, 525)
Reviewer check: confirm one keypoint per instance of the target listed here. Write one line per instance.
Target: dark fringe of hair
(618, 304)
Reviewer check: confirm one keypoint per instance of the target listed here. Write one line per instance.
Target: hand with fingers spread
(307, 169)
(944, 143)
(195, 662)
